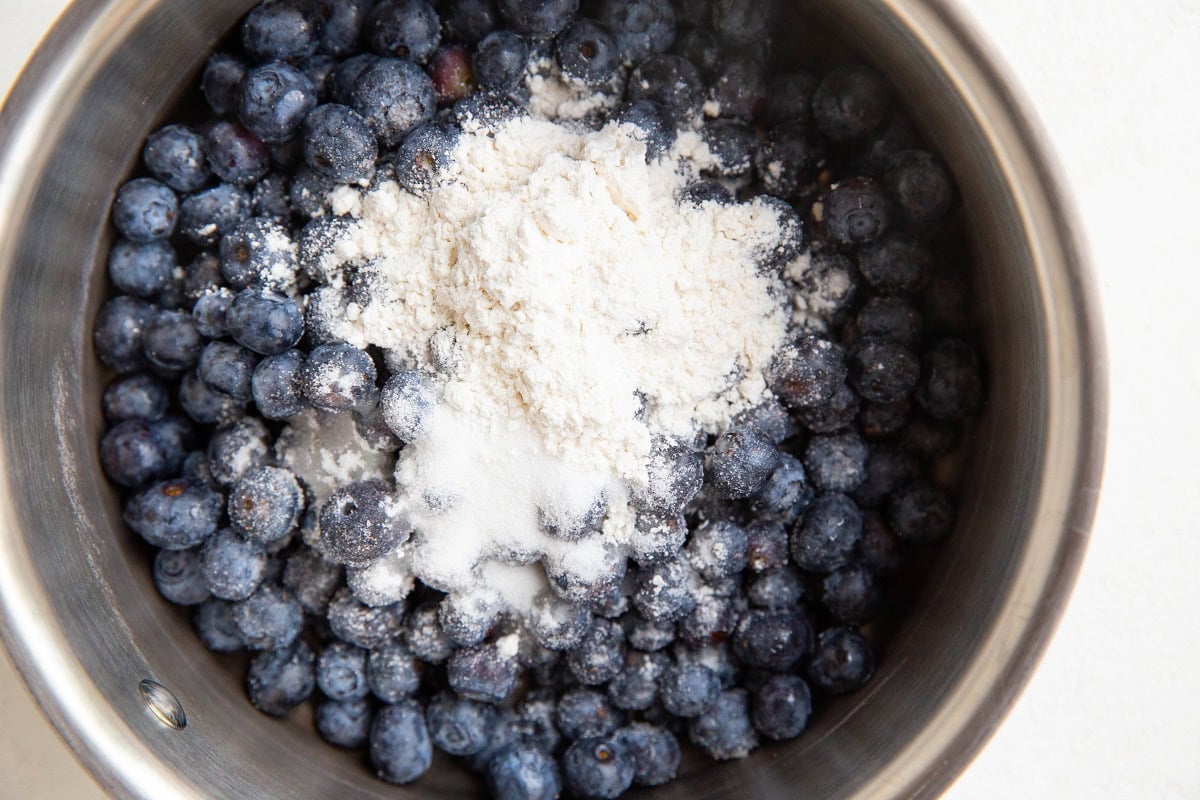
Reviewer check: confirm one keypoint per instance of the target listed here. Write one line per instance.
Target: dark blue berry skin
(312, 579)
(883, 371)
(344, 724)
(654, 750)
(778, 589)
(338, 377)
(785, 158)
(403, 29)
(896, 264)
(393, 672)
(642, 27)
(342, 26)
(258, 251)
(879, 549)
(319, 69)
(406, 402)
(535, 720)
(276, 386)
(117, 334)
(585, 712)
(836, 462)
(952, 386)
(276, 98)
(424, 154)
(842, 662)
(467, 620)
(342, 672)
(424, 635)
(208, 313)
(780, 708)
(523, 772)
(469, 21)
(279, 31)
(920, 186)
(279, 680)
(500, 60)
(221, 82)
(206, 216)
(139, 396)
(587, 52)
(361, 625)
(766, 543)
(688, 690)
(852, 595)
(600, 655)
(215, 627)
(394, 96)
(233, 567)
(827, 536)
(358, 525)
(504, 733)
(269, 619)
(458, 726)
(700, 46)
(740, 88)
(718, 549)
(339, 144)
(145, 210)
(702, 192)
(654, 125)
(789, 97)
(856, 212)
(235, 154)
(134, 455)
(171, 341)
(141, 270)
(400, 748)
(236, 448)
(888, 469)
(204, 404)
(663, 593)
(785, 495)
(486, 110)
(635, 687)
(790, 244)
(732, 144)
(850, 103)
(265, 321)
(890, 318)
(346, 73)
(228, 368)
(725, 730)
(179, 578)
(659, 538)
(740, 463)
(773, 640)
(807, 372)
(676, 475)
(742, 23)
(558, 626)
(597, 768)
(175, 514)
(482, 672)
(673, 82)
(265, 504)
(921, 513)
(538, 19)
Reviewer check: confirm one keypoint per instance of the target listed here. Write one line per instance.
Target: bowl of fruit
(535, 398)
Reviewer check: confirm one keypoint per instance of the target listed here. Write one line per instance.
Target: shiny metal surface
(79, 612)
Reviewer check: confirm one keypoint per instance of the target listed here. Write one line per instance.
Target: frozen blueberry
(469, 20)
(740, 462)
(227, 368)
(774, 640)
(500, 60)
(179, 577)
(406, 402)
(808, 371)
(598, 768)
(424, 155)
(600, 655)
(269, 619)
(539, 19)
(740, 88)
(836, 462)
(138, 396)
(675, 475)
(920, 185)
(658, 537)
(585, 712)
(850, 102)
(856, 211)
(718, 549)
(786, 157)
(145, 210)
(778, 588)
(215, 627)
(883, 371)
(487, 110)
(404, 29)
(890, 318)
(785, 495)
(400, 748)
(842, 662)
(342, 672)
(346, 73)
(654, 750)
(888, 469)
(235, 154)
(204, 404)
(652, 122)
(452, 73)
(360, 523)
(238, 447)
(701, 192)
(732, 144)
(458, 726)
(394, 96)
(663, 593)
(206, 216)
(312, 579)
(175, 514)
(523, 772)
(781, 707)
(233, 567)
(258, 251)
(265, 504)
(670, 80)
(468, 617)
(221, 82)
(725, 730)
(133, 454)
(344, 724)
(951, 387)
(557, 625)
(642, 27)
(635, 687)
(852, 595)
(921, 513)
(208, 313)
(276, 387)
(587, 52)
(535, 720)
(789, 97)
(279, 30)
(265, 321)
(688, 690)
(572, 518)
(171, 341)
(895, 264)
(743, 23)
(309, 193)
(486, 672)
(393, 672)
(361, 625)
(338, 377)
(425, 636)
(276, 98)
(767, 540)
(140, 269)
(279, 680)
(826, 537)
(118, 332)
(339, 144)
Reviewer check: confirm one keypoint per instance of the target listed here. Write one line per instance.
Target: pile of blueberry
(777, 536)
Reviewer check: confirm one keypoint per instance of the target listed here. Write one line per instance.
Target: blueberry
(573, 518)
(485, 672)
(952, 386)
(503, 734)
(206, 216)
(342, 672)
(215, 627)
(133, 454)
(361, 625)
(233, 567)
(425, 637)
(883, 371)
(598, 768)
(221, 82)
(599, 656)
(179, 578)
(836, 462)
(338, 377)
(740, 88)
(265, 504)
(743, 23)
(642, 27)
(785, 159)
(487, 110)
(339, 144)
(279, 30)
(523, 772)
(807, 372)
(785, 496)
(276, 386)
(740, 463)
(672, 81)
(404, 29)
(175, 156)
(393, 672)
(406, 402)
(208, 313)
(732, 144)
(312, 579)
(138, 396)
(766, 540)
(921, 513)
(453, 74)
(658, 538)
(468, 618)
(778, 588)
(663, 593)
(890, 318)
(228, 368)
(879, 549)
(888, 468)
(701, 192)
(424, 154)
(774, 640)
(635, 687)
(360, 523)
(725, 730)
(826, 537)
(675, 475)
(535, 720)
(175, 514)
(896, 264)
(258, 252)
(319, 69)
(920, 185)
(689, 690)
(718, 549)
(458, 726)
(850, 102)
(789, 97)
(205, 404)
(394, 96)
(276, 98)
(171, 341)
(265, 321)
(781, 707)
(856, 212)
(842, 662)
(236, 448)
(700, 46)
(587, 52)
(145, 210)
(585, 712)
(344, 724)
(539, 19)
(279, 680)
(342, 26)
(833, 277)
(852, 595)
(557, 625)
(500, 60)
(141, 270)
(235, 154)
(269, 619)
(346, 74)
(652, 123)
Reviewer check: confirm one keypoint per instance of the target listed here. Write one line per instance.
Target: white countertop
(1114, 710)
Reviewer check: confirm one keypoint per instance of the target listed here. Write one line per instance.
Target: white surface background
(1114, 709)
